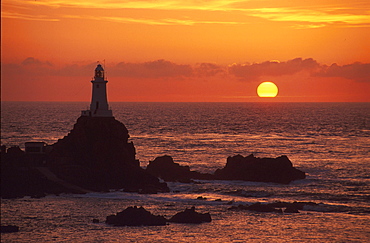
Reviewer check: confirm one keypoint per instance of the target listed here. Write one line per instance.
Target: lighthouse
(99, 102)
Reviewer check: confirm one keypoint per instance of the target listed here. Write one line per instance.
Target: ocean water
(329, 141)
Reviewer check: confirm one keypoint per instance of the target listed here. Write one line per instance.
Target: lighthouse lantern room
(99, 102)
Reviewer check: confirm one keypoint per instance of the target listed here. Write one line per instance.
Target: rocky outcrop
(18, 181)
(134, 216)
(9, 229)
(165, 168)
(250, 168)
(189, 216)
(97, 155)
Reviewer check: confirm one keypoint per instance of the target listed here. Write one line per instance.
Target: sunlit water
(329, 141)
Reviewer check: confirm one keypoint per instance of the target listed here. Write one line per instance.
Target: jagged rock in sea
(190, 216)
(165, 168)
(134, 216)
(97, 155)
(250, 168)
(291, 209)
(19, 179)
(9, 229)
(259, 207)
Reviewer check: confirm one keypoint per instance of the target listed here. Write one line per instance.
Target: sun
(267, 89)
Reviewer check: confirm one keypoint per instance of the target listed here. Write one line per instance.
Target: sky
(186, 51)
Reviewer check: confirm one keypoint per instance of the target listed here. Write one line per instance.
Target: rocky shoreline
(97, 156)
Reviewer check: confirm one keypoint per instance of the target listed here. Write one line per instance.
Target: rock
(164, 167)
(238, 208)
(279, 204)
(291, 209)
(9, 228)
(201, 198)
(148, 189)
(189, 216)
(94, 156)
(95, 221)
(134, 216)
(15, 151)
(19, 181)
(258, 207)
(230, 202)
(250, 168)
(97, 155)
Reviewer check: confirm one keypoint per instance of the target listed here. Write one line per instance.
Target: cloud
(163, 69)
(151, 69)
(33, 61)
(14, 15)
(253, 72)
(150, 21)
(315, 17)
(357, 71)
(298, 15)
(154, 69)
(208, 70)
(32, 67)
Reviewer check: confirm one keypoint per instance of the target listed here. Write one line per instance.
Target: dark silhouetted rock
(230, 202)
(259, 207)
(256, 207)
(20, 177)
(189, 216)
(238, 208)
(15, 151)
(250, 168)
(280, 204)
(164, 167)
(291, 209)
(96, 155)
(9, 228)
(201, 198)
(134, 216)
(19, 181)
(149, 189)
(95, 221)
(300, 205)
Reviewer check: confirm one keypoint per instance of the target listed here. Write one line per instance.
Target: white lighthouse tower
(99, 102)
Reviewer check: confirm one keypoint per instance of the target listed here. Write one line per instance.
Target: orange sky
(165, 50)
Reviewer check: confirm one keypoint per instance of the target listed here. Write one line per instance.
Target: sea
(328, 141)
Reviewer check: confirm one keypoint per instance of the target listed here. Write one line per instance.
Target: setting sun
(267, 89)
